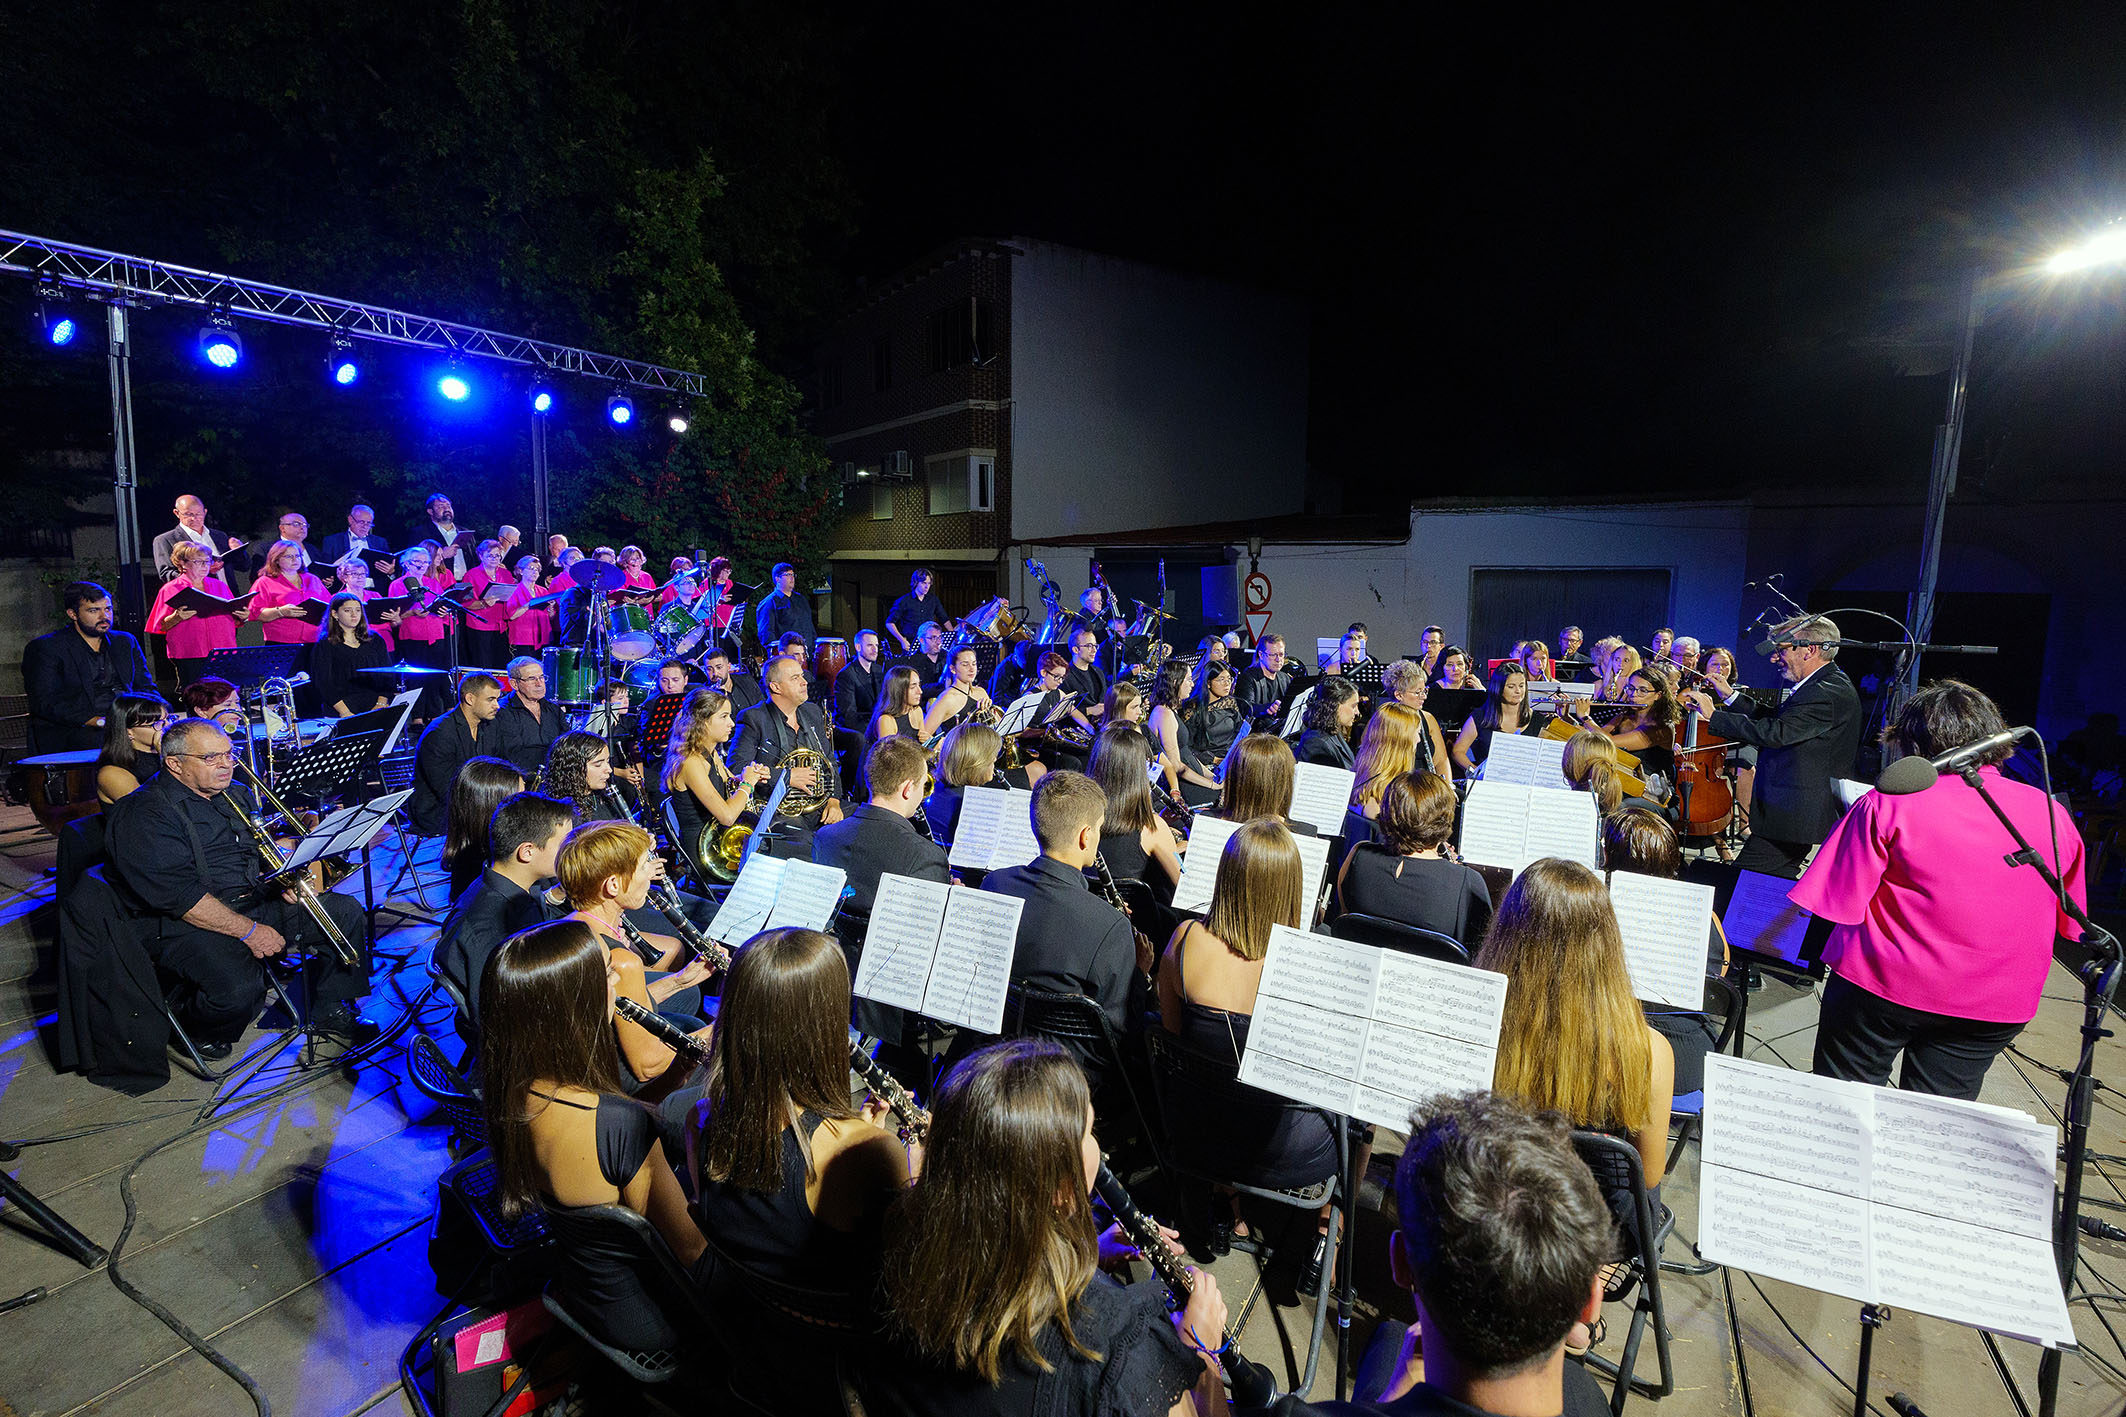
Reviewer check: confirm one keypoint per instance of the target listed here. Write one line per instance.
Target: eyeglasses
(208, 758)
(533, 677)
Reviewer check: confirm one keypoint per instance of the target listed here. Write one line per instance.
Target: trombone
(279, 875)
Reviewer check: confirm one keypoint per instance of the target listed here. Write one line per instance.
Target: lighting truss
(138, 281)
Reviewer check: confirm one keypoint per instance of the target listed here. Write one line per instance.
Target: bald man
(191, 526)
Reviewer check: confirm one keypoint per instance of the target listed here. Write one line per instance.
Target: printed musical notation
(744, 912)
(1506, 824)
(1665, 925)
(807, 895)
(1206, 843)
(1924, 1203)
(940, 951)
(1531, 762)
(995, 830)
(1759, 917)
(1367, 1032)
(1320, 795)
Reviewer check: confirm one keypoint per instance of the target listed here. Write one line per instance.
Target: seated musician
(1124, 704)
(1642, 841)
(212, 698)
(1404, 682)
(1617, 663)
(565, 1130)
(188, 636)
(71, 674)
(1350, 658)
(579, 770)
(739, 687)
(694, 778)
(1071, 940)
(1534, 656)
(481, 786)
(967, 758)
(928, 656)
(1015, 672)
(1408, 872)
(1505, 710)
(673, 684)
(527, 723)
(1257, 782)
(960, 699)
(1684, 651)
(1590, 765)
(351, 576)
(995, 1298)
(1649, 729)
(1574, 1038)
(1214, 718)
(524, 837)
(769, 732)
(604, 870)
(1055, 750)
(1388, 750)
(1569, 641)
(1664, 641)
(347, 646)
(1172, 722)
(857, 686)
(881, 837)
(132, 743)
(1453, 671)
(898, 711)
(185, 861)
(445, 746)
(1085, 679)
(794, 1181)
(794, 646)
(1265, 688)
(1136, 841)
(1325, 728)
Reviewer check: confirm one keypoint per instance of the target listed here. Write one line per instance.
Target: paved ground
(291, 1232)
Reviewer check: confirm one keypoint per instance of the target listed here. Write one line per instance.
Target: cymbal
(597, 575)
(400, 671)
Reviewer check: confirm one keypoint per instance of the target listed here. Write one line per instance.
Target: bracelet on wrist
(245, 937)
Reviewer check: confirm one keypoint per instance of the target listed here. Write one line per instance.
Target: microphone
(1919, 774)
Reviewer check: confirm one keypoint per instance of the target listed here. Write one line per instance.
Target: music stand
(246, 666)
(340, 763)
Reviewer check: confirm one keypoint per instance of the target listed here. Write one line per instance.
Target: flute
(663, 1030)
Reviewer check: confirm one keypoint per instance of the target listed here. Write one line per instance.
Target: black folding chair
(785, 1339)
(436, 1078)
(1077, 1023)
(700, 879)
(616, 1230)
(1395, 935)
(1615, 1164)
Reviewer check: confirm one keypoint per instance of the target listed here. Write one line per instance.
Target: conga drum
(830, 656)
(62, 787)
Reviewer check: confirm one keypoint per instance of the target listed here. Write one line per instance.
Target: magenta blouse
(1928, 914)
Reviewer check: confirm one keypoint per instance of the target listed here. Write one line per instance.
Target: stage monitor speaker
(1221, 595)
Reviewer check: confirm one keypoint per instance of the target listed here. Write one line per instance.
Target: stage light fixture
(453, 385)
(676, 420)
(620, 408)
(2102, 249)
(219, 343)
(342, 364)
(59, 325)
(542, 396)
(60, 329)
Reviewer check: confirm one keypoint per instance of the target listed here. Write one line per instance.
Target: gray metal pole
(540, 520)
(1941, 481)
(132, 599)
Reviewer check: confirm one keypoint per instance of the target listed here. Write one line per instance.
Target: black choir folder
(1924, 1203)
(206, 602)
(941, 951)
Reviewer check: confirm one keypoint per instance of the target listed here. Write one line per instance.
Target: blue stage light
(62, 330)
(620, 409)
(542, 398)
(345, 372)
(343, 364)
(454, 387)
(219, 343)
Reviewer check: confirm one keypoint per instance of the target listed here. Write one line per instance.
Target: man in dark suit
(879, 837)
(293, 527)
(465, 732)
(856, 687)
(1803, 745)
(526, 837)
(783, 612)
(191, 526)
(739, 687)
(1265, 688)
(71, 674)
(526, 725)
(457, 542)
(769, 732)
(1070, 940)
(363, 539)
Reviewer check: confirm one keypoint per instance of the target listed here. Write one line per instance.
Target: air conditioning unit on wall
(900, 466)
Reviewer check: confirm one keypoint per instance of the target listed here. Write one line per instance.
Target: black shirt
(1256, 690)
(1432, 894)
(778, 615)
(477, 923)
(931, 671)
(855, 691)
(1325, 746)
(67, 684)
(443, 750)
(1090, 685)
(332, 666)
(871, 842)
(522, 739)
(911, 613)
(1070, 940)
(152, 834)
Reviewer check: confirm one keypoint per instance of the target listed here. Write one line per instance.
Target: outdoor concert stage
(294, 1238)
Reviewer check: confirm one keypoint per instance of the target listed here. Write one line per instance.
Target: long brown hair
(477, 790)
(1260, 882)
(1120, 763)
(1388, 750)
(1590, 765)
(1574, 1038)
(781, 1048)
(545, 1016)
(1258, 778)
(996, 1240)
(690, 734)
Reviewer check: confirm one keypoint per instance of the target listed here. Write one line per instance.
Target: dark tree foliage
(643, 179)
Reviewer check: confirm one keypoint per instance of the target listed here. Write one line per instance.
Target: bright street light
(2105, 247)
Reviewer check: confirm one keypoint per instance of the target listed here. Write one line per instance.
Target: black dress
(779, 1238)
(332, 666)
(1145, 1367)
(1125, 856)
(603, 1288)
(1431, 894)
(687, 810)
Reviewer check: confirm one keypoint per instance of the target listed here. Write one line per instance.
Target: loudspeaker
(1221, 595)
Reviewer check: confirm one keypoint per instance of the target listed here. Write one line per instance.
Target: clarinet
(1171, 809)
(1114, 898)
(666, 902)
(639, 942)
(663, 1030)
(1252, 1385)
(914, 1121)
(618, 803)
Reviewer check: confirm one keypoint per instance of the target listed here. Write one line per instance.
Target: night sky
(1694, 251)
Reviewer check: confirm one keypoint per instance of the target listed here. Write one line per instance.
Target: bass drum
(571, 678)
(830, 656)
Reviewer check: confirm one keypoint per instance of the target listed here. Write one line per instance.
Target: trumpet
(280, 876)
(914, 1121)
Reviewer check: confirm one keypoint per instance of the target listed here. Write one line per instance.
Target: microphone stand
(2100, 979)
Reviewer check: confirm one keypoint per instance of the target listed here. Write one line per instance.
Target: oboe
(914, 1121)
(1252, 1384)
(662, 1029)
(667, 902)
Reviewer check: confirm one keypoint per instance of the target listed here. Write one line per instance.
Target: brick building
(1001, 392)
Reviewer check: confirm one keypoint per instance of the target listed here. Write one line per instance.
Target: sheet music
(1368, 1032)
(1849, 790)
(902, 942)
(1313, 865)
(1291, 717)
(1759, 917)
(404, 703)
(972, 972)
(807, 895)
(1665, 925)
(744, 912)
(1321, 795)
(1925, 1203)
(974, 839)
(1527, 760)
(1199, 864)
(1018, 716)
(1016, 843)
(1507, 824)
